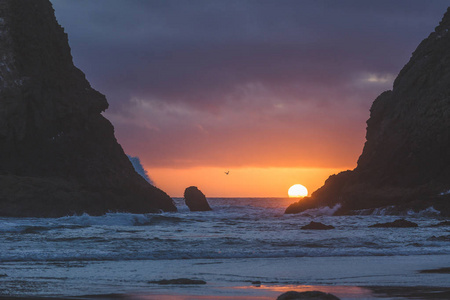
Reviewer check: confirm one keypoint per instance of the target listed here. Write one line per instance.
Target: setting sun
(297, 190)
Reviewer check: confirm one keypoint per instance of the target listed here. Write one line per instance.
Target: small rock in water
(445, 238)
(195, 199)
(401, 223)
(178, 281)
(311, 295)
(317, 226)
(437, 271)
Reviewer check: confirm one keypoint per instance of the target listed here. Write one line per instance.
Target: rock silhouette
(317, 226)
(437, 271)
(311, 295)
(58, 154)
(401, 223)
(195, 199)
(405, 161)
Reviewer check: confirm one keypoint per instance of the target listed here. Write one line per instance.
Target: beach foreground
(242, 249)
(384, 277)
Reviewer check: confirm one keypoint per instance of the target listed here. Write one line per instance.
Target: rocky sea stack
(405, 163)
(195, 199)
(58, 154)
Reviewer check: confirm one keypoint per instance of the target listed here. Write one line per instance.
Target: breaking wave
(236, 228)
(322, 211)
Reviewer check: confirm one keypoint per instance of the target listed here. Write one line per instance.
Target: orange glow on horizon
(342, 291)
(239, 182)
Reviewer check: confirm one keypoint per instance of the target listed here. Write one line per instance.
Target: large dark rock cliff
(58, 154)
(406, 158)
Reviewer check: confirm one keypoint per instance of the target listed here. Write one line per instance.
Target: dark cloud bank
(210, 82)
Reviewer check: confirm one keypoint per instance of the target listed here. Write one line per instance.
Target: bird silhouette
(227, 172)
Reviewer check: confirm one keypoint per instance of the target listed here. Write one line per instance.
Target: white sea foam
(445, 193)
(139, 168)
(322, 211)
(239, 235)
(429, 212)
(393, 211)
(236, 228)
(382, 211)
(109, 219)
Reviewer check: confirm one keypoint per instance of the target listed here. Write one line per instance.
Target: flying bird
(227, 172)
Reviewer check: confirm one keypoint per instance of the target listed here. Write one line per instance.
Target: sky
(276, 92)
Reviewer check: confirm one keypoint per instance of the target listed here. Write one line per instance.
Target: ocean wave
(158, 220)
(321, 211)
(123, 219)
(441, 238)
(429, 212)
(380, 211)
(35, 229)
(394, 211)
(312, 250)
(240, 231)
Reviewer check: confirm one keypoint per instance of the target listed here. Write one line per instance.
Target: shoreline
(272, 292)
(385, 277)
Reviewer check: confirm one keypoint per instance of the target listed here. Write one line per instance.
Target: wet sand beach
(383, 277)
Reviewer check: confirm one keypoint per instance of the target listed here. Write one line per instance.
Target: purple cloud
(190, 78)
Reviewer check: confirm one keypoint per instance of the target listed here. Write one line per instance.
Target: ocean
(245, 247)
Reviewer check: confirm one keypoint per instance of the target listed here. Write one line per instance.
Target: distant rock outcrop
(58, 154)
(406, 158)
(317, 226)
(309, 295)
(401, 223)
(195, 199)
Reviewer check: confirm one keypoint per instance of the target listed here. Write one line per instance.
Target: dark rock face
(317, 226)
(195, 199)
(312, 295)
(58, 154)
(402, 223)
(405, 161)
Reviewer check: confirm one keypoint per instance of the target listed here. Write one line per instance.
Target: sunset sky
(276, 92)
